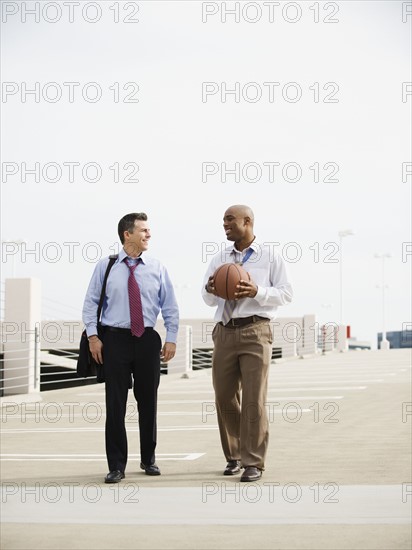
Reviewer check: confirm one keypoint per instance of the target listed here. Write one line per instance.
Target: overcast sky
(310, 103)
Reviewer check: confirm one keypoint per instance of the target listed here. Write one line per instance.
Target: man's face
(138, 240)
(234, 225)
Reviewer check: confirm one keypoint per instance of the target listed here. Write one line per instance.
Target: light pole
(384, 343)
(342, 234)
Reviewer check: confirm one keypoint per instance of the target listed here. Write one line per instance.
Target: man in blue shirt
(124, 349)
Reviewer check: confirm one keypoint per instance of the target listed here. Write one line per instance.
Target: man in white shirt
(243, 345)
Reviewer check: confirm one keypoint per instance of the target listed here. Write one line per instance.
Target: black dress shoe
(251, 473)
(114, 477)
(232, 468)
(151, 470)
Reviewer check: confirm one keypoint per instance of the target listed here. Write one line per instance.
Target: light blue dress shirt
(156, 290)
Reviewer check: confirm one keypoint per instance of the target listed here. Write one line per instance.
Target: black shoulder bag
(86, 365)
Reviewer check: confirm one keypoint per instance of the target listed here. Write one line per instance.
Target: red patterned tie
(135, 303)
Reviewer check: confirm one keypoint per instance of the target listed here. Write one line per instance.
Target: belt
(243, 321)
(122, 330)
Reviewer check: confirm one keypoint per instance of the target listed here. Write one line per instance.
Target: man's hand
(168, 352)
(246, 289)
(210, 287)
(96, 349)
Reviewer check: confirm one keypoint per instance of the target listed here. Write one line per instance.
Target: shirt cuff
(91, 330)
(260, 295)
(171, 337)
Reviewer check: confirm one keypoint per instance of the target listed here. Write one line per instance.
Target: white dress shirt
(267, 270)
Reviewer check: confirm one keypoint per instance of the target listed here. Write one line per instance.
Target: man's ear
(246, 220)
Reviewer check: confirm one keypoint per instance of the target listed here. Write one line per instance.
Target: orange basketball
(227, 277)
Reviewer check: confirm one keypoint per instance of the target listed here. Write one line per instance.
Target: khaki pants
(240, 368)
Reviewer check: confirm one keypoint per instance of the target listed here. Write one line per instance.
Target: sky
(301, 110)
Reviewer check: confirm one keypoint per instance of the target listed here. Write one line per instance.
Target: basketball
(226, 277)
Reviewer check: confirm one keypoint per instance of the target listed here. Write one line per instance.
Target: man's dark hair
(127, 223)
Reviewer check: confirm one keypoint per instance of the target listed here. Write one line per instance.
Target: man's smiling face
(234, 224)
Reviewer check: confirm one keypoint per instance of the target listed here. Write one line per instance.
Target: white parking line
(280, 398)
(92, 457)
(334, 381)
(197, 427)
(278, 389)
(272, 383)
(129, 417)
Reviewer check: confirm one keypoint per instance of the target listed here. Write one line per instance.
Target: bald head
(241, 211)
(238, 225)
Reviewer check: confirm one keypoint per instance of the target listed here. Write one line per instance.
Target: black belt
(243, 321)
(122, 330)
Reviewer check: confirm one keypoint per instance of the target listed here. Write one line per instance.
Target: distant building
(397, 338)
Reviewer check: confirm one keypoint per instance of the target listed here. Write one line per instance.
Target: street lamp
(384, 343)
(342, 234)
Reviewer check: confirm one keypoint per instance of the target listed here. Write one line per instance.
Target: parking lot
(338, 472)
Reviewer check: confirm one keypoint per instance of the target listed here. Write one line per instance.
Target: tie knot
(131, 266)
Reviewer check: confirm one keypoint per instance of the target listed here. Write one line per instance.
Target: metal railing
(23, 358)
(44, 359)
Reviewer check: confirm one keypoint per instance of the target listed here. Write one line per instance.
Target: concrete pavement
(338, 473)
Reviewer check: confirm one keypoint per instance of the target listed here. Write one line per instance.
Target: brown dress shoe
(251, 473)
(232, 468)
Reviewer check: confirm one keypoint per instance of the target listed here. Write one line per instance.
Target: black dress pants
(125, 355)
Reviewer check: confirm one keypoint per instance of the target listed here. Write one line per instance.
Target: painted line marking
(129, 417)
(278, 389)
(93, 457)
(91, 430)
(280, 398)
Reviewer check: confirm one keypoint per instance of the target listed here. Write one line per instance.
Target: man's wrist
(93, 337)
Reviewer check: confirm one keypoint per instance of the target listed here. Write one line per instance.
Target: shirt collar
(232, 249)
(123, 255)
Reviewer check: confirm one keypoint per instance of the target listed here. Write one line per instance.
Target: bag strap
(112, 259)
